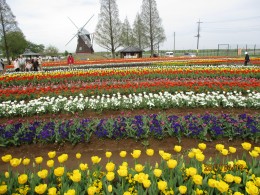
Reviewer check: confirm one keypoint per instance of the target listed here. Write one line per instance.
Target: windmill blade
(71, 39)
(73, 23)
(87, 22)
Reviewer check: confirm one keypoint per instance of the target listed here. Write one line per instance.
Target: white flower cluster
(131, 101)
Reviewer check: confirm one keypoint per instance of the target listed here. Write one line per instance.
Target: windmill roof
(131, 49)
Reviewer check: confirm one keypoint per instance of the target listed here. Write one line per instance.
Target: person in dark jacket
(247, 59)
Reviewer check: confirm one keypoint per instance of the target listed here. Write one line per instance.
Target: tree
(108, 29)
(138, 33)
(16, 43)
(35, 47)
(154, 32)
(51, 51)
(127, 38)
(8, 24)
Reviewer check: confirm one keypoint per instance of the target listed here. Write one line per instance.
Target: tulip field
(183, 126)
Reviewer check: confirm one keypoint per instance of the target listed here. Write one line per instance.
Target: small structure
(29, 54)
(131, 52)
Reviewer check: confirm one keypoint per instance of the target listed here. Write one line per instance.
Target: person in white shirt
(16, 65)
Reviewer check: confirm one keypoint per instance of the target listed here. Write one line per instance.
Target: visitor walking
(16, 65)
(247, 59)
(70, 61)
(22, 62)
(2, 66)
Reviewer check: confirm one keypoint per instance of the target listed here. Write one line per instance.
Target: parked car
(169, 54)
(190, 54)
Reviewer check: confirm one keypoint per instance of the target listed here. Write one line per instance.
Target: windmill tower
(85, 41)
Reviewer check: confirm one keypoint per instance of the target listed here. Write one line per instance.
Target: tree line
(147, 30)
(111, 33)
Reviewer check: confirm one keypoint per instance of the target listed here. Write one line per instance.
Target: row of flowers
(162, 100)
(130, 86)
(173, 175)
(205, 127)
(150, 72)
(180, 60)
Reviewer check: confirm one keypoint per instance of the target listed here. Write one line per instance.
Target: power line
(234, 20)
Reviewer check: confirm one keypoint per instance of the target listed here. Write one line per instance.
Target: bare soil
(99, 147)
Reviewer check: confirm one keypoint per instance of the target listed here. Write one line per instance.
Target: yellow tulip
(237, 179)
(191, 154)
(240, 164)
(92, 190)
(6, 158)
(200, 157)
(166, 156)
(238, 193)
(52, 154)
(246, 145)
(257, 149)
(110, 176)
(191, 171)
(22, 179)
(136, 154)
(110, 188)
(78, 155)
(43, 173)
(252, 190)
(110, 166)
(229, 178)
(38, 160)
(7, 175)
(59, 171)
(41, 188)
(123, 154)
(139, 168)
(157, 172)
(122, 172)
(212, 183)
(150, 152)
(224, 152)
(76, 176)
(3, 189)
(197, 179)
(26, 161)
(108, 154)
(83, 167)
(219, 147)
(70, 192)
(50, 163)
(254, 153)
(95, 159)
(177, 148)
(62, 158)
(15, 162)
(182, 189)
(172, 163)
(202, 146)
(52, 191)
(232, 150)
(162, 185)
(147, 183)
(222, 186)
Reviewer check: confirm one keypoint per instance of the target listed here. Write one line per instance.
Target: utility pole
(174, 43)
(198, 36)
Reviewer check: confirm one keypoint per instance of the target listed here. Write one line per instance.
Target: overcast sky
(223, 21)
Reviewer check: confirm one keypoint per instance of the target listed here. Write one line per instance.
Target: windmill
(85, 45)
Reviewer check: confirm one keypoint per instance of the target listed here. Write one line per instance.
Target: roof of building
(131, 49)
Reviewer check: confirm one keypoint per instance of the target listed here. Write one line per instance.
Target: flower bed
(158, 86)
(172, 175)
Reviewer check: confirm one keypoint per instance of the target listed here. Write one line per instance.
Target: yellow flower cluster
(191, 176)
